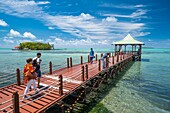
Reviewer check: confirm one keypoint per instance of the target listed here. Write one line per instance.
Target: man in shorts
(36, 63)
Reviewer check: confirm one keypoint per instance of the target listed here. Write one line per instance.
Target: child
(104, 57)
(29, 77)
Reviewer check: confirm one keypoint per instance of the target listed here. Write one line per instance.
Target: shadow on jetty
(91, 104)
(103, 92)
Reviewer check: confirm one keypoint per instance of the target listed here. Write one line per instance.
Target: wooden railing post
(15, 102)
(99, 67)
(50, 68)
(117, 57)
(18, 77)
(88, 58)
(81, 59)
(120, 56)
(71, 63)
(113, 59)
(107, 62)
(67, 62)
(82, 75)
(101, 54)
(60, 84)
(96, 57)
(86, 71)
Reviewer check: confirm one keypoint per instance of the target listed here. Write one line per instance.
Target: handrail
(4, 75)
(7, 78)
(7, 106)
(7, 81)
(39, 97)
(34, 99)
(27, 93)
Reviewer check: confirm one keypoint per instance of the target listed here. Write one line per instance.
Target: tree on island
(35, 46)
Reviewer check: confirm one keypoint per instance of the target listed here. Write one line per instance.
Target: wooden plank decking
(49, 93)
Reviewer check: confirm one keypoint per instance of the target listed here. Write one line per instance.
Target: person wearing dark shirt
(91, 55)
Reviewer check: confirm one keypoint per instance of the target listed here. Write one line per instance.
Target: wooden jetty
(57, 85)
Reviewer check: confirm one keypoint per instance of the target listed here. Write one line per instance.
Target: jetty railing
(81, 74)
(69, 62)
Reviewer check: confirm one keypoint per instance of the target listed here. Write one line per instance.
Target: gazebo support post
(115, 49)
(135, 48)
(140, 50)
(132, 49)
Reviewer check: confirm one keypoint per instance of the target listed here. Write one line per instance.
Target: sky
(84, 23)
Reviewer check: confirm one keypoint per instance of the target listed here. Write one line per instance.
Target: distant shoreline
(34, 50)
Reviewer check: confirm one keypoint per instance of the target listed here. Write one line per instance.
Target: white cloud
(139, 6)
(20, 41)
(86, 16)
(42, 2)
(104, 42)
(3, 23)
(52, 37)
(51, 28)
(58, 42)
(149, 40)
(138, 33)
(110, 19)
(83, 26)
(40, 40)
(124, 6)
(13, 33)
(137, 14)
(29, 35)
(49, 41)
(8, 40)
(5, 37)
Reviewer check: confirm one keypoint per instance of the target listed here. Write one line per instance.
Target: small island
(35, 46)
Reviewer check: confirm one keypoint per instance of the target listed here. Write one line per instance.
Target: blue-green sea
(144, 88)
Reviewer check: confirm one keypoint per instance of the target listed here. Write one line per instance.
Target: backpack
(34, 62)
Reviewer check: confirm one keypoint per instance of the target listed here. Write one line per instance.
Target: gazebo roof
(128, 40)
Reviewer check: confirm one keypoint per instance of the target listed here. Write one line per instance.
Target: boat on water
(17, 48)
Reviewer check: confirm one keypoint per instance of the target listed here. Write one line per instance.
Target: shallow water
(12, 59)
(144, 87)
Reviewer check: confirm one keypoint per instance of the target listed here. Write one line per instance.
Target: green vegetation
(35, 46)
(99, 108)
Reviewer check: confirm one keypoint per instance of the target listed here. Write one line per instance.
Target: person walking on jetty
(36, 63)
(29, 77)
(104, 59)
(91, 55)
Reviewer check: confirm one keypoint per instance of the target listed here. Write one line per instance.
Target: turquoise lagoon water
(12, 59)
(144, 88)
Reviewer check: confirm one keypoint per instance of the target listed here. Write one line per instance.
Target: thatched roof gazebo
(129, 40)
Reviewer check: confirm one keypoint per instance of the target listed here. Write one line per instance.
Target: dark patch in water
(156, 52)
(145, 60)
(132, 93)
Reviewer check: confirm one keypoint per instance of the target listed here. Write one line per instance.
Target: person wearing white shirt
(36, 63)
